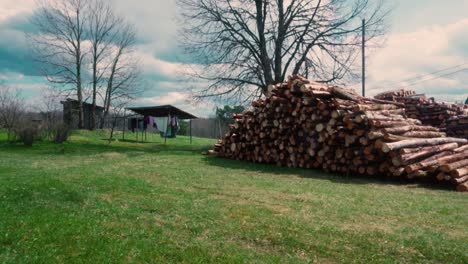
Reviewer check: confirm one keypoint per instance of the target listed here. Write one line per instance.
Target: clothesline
(165, 117)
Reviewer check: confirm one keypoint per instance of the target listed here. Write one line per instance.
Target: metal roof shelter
(163, 111)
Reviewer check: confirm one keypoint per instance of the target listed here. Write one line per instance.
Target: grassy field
(91, 202)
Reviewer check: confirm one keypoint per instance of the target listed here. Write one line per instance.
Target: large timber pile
(311, 125)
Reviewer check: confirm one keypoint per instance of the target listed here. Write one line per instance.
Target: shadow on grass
(76, 148)
(98, 147)
(333, 177)
(129, 141)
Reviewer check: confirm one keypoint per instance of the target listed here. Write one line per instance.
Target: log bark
(455, 165)
(403, 129)
(460, 172)
(462, 187)
(387, 147)
(426, 151)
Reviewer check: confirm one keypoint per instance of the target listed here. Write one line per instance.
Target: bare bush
(118, 109)
(61, 133)
(51, 112)
(27, 134)
(11, 109)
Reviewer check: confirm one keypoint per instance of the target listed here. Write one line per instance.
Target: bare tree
(103, 26)
(76, 33)
(124, 77)
(246, 45)
(11, 108)
(58, 45)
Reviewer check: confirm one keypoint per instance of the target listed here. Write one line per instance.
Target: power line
(435, 78)
(417, 77)
(431, 73)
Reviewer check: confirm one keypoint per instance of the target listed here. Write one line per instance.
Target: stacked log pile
(399, 95)
(451, 117)
(457, 126)
(311, 125)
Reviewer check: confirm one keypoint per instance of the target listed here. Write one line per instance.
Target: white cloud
(154, 19)
(164, 70)
(152, 65)
(169, 98)
(406, 54)
(30, 86)
(11, 8)
(421, 52)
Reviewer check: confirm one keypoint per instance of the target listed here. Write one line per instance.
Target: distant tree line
(226, 113)
(28, 123)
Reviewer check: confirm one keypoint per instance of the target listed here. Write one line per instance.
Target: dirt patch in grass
(111, 155)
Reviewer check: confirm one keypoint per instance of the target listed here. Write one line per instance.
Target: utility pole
(363, 57)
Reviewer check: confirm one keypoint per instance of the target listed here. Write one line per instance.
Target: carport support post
(167, 125)
(124, 124)
(190, 122)
(143, 131)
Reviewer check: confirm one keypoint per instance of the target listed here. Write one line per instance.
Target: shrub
(61, 133)
(183, 128)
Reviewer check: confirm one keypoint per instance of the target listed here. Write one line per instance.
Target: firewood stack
(399, 95)
(457, 126)
(312, 125)
(429, 111)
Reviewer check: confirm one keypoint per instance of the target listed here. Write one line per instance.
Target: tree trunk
(79, 87)
(93, 111)
(463, 187)
(265, 60)
(80, 102)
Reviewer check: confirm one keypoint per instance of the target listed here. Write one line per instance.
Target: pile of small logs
(429, 111)
(398, 95)
(456, 126)
(312, 125)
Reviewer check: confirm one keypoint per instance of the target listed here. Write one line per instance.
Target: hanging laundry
(151, 122)
(161, 124)
(147, 120)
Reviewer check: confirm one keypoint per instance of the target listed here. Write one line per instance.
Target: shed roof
(70, 100)
(161, 111)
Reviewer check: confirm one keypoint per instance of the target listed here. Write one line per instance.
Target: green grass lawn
(91, 202)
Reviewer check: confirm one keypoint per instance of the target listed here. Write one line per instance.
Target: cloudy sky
(426, 50)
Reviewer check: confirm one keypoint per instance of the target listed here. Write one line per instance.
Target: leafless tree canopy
(114, 67)
(59, 44)
(123, 76)
(84, 46)
(102, 26)
(245, 45)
